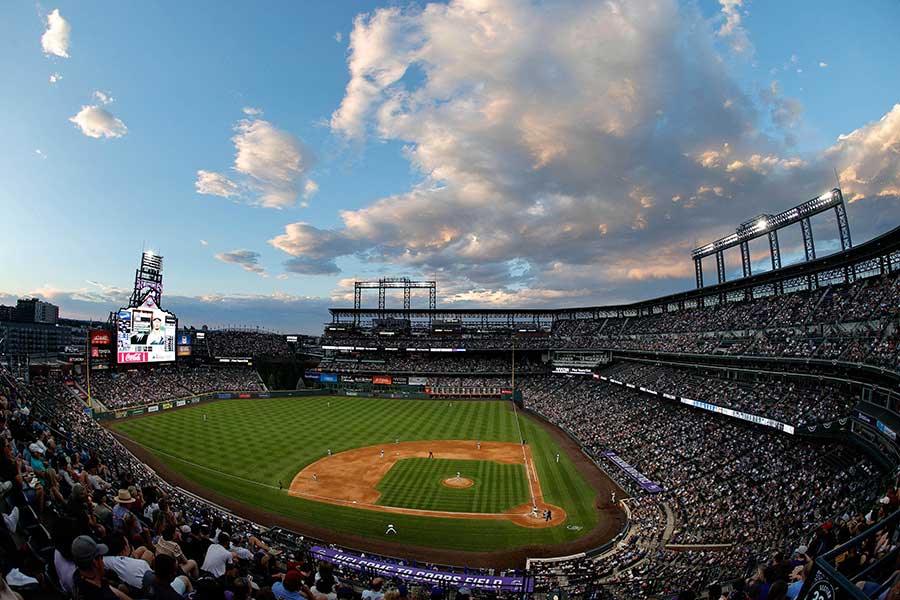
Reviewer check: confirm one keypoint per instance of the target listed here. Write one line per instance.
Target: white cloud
(338, 37)
(55, 40)
(823, 65)
(103, 97)
(215, 184)
(274, 164)
(868, 163)
(40, 154)
(97, 122)
(55, 78)
(204, 243)
(246, 259)
(569, 138)
(732, 27)
(310, 188)
(251, 111)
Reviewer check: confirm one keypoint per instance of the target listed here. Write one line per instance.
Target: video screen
(145, 334)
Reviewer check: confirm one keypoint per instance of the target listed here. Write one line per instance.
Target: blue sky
(545, 153)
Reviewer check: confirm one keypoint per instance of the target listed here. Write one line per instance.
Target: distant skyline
(536, 154)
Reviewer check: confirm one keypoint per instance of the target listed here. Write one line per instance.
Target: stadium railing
(826, 582)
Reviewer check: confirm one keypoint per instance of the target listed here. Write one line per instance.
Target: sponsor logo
(133, 357)
(153, 409)
(180, 403)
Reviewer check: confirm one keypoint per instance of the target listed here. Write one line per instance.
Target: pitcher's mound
(458, 483)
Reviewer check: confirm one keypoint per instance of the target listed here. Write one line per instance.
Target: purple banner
(642, 480)
(417, 575)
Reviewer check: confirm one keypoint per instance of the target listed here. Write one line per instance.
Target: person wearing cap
(89, 582)
(374, 591)
(290, 587)
(463, 593)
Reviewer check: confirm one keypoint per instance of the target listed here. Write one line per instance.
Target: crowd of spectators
(857, 322)
(427, 363)
(255, 344)
(100, 524)
(737, 493)
(794, 401)
(121, 389)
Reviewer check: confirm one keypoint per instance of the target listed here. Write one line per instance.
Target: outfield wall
(154, 407)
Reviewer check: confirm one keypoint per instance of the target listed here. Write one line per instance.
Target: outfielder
(390, 529)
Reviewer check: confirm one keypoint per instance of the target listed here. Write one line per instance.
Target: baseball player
(390, 529)
(382, 453)
(557, 457)
(430, 454)
(478, 444)
(329, 452)
(457, 475)
(316, 477)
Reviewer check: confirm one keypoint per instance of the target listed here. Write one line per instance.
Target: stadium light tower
(768, 225)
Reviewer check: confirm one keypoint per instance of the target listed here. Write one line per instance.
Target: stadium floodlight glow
(769, 225)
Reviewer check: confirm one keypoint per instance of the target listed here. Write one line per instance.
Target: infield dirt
(350, 478)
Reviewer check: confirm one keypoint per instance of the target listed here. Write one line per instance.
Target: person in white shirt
(131, 571)
(218, 556)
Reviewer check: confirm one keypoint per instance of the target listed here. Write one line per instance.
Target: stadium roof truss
(768, 225)
(879, 256)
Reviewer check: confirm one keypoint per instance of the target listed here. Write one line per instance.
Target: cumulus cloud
(823, 65)
(587, 151)
(251, 111)
(204, 243)
(55, 78)
(338, 37)
(55, 40)
(96, 122)
(215, 184)
(273, 165)
(868, 163)
(246, 259)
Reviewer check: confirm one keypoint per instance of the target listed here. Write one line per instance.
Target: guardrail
(826, 582)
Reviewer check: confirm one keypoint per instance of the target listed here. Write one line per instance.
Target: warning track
(350, 478)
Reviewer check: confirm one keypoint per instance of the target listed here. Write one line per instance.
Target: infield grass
(245, 447)
(416, 483)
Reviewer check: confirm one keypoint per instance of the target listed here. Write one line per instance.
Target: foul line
(524, 455)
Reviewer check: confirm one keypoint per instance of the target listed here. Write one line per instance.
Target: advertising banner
(385, 568)
(313, 375)
(399, 380)
(639, 477)
(418, 381)
(100, 337)
(328, 378)
(381, 379)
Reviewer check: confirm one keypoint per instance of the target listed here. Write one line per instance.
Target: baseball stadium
(450, 300)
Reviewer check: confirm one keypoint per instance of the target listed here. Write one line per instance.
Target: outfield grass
(245, 447)
(416, 483)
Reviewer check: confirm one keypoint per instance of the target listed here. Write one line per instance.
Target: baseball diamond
(241, 450)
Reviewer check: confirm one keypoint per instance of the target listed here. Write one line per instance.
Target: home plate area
(463, 479)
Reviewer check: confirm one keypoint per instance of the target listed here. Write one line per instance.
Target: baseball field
(446, 474)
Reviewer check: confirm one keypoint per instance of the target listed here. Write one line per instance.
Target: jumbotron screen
(145, 334)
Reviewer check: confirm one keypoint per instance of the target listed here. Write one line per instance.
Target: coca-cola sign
(133, 357)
